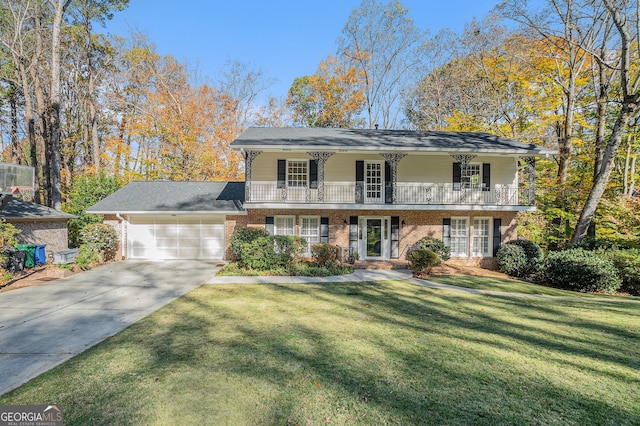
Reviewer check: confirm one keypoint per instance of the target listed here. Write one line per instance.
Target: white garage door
(176, 237)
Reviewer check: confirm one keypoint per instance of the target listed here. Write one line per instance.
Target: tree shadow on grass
(364, 353)
(413, 384)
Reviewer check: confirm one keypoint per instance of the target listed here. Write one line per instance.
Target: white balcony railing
(405, 193)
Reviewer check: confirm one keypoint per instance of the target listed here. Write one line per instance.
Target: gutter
(123, 233)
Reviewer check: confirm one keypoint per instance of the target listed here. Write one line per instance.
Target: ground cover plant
(357, 353)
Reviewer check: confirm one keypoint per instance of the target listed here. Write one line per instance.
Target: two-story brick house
(374, 193)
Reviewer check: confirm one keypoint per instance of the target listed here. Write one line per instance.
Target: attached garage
(175, 237)
(163, 220)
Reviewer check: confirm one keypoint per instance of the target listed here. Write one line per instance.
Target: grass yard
(354, 353)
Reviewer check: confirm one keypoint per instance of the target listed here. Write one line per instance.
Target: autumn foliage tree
(333, 97)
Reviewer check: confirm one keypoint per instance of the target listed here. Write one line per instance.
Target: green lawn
(357, 353)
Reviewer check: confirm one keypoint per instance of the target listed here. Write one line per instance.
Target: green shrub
(87, 256)
(303, 269)
(260, 251)
(85, 191)
(581, 270)
(512, 259)
(434, 245)
(288, 248)
(422, 260)
(590, 243)
(8, 239)
(627, 262)
(519, 263)
(8, 234)
(258, 254)
(100, 238)
(325, 254)
(242, 236)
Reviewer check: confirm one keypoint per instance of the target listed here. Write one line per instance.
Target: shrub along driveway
(42, 326)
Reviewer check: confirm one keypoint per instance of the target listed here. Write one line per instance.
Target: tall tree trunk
(629, 109)
(630, 103)
(31, 130)
(59, 7)
(42, 135)
(13, 112)
(93, 121)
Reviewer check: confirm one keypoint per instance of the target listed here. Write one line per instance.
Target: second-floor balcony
(401, 194)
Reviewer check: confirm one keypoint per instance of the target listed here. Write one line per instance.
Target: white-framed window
(481, 236)
(297, 173)
(284, 225)
(310, 231)
(374, 180)
(472, 176)
(459, 236)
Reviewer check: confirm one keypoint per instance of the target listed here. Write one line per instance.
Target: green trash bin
(29, 254)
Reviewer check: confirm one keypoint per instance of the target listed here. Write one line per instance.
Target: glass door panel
(374, 238)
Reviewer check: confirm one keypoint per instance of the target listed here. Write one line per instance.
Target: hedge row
(601, 269)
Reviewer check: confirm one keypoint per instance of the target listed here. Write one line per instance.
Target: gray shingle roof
(274, 138)
(174, 197)
(17, 209)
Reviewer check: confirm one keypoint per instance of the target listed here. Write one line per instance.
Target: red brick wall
(418, 224)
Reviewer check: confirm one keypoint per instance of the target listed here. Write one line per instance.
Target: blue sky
(284, 38)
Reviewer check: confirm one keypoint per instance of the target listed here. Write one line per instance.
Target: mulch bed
(35, 276)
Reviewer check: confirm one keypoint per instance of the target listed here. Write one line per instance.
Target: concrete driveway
(43, 326)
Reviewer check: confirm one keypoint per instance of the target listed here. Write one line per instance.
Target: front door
(375, 238)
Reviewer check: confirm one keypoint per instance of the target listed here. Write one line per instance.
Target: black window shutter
(360, 181)
(353, 234)
(324, 230)
(486, 177)
(395, 237)
(268, 224)
(446, 231)
(457, 177)
(282, 173)
(313, 174)
(388, 187)
(497, 235)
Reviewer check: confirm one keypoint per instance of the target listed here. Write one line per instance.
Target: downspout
(123, 234)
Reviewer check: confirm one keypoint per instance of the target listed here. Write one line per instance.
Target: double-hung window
(284, 225)
(459, 237)
(481, 236)
(310, 231)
